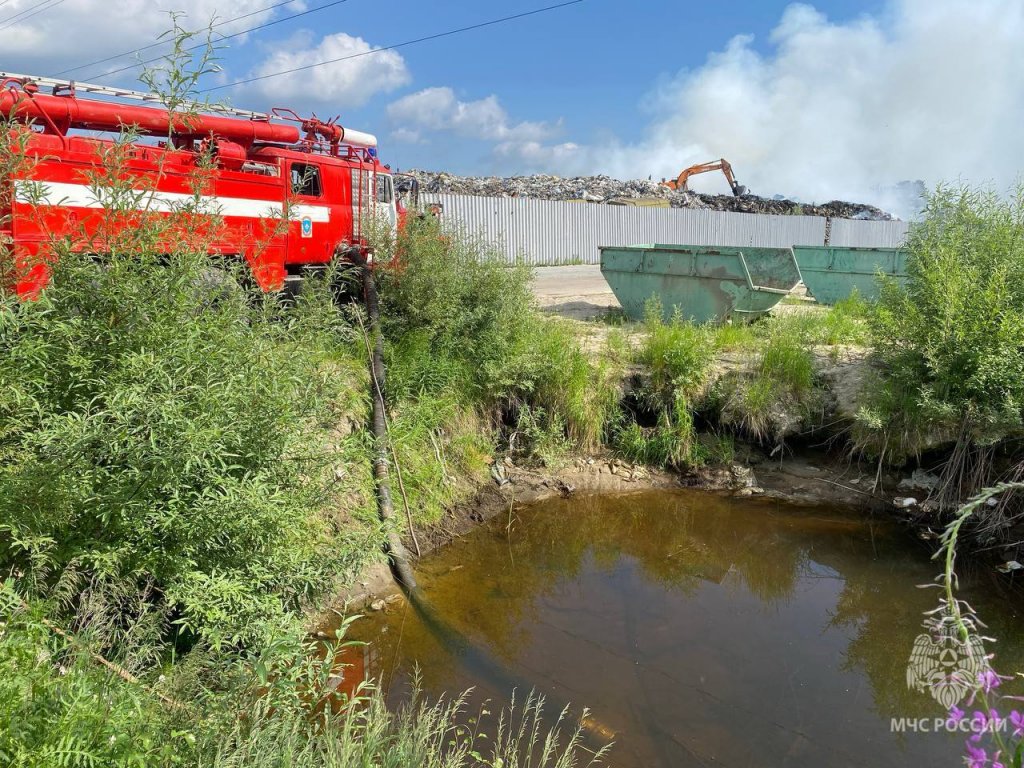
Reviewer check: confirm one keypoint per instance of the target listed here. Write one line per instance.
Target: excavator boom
(716, 165)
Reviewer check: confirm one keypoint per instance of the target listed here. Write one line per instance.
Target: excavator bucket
(705, 283)
(832, 274)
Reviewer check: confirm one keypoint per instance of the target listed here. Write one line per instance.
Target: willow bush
(952, 340)
(153, 435)
(462, 325)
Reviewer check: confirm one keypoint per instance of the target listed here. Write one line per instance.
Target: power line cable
(23, 11)
(393, 47)
(29, 16)
(21, 16)
(165, 42)
(225, 37)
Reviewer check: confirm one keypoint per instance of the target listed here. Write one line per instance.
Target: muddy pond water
(701, 630)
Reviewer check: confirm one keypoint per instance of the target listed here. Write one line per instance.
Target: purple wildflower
(976, 756)
(979, 721)
(988, 680)
(1017, 721)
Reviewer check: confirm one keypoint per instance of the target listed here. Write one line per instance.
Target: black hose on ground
(476, 661)
(398, 555)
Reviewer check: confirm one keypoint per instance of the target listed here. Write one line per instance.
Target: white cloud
(929, 90)
(77, 32)
(406, 136)
(349, 83)
(485, 119)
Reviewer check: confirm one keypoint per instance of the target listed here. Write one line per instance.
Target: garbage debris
(498, 474)
(604, 189)
(920, 479)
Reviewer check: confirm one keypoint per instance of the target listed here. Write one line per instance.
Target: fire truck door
(310, 231)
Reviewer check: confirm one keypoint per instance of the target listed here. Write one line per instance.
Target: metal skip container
(832, 274)
(705, 283)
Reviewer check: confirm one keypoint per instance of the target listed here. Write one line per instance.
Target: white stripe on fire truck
(56, 193)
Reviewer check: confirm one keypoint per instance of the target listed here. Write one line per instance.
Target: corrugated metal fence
(868, 234)
(551, 232)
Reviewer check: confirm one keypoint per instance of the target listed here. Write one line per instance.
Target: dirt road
(579, 292)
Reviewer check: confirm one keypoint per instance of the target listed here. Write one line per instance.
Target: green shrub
(952, 340)
(466, 307)
(150, 435)
(462, 325)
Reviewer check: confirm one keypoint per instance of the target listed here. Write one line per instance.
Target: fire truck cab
(288, 194)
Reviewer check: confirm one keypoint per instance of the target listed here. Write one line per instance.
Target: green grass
(733, 336)
(787, 364)
(677, 355)
(776, 391)
(845, 323)
(770, 387)
(668, 444)
(61, 707)
(675, 358)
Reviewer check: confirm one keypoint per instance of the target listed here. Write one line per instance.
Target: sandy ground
(578, 292)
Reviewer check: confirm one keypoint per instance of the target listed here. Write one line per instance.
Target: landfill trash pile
(837, 209)
(602, 189)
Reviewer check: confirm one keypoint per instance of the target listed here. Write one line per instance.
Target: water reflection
(702, 630)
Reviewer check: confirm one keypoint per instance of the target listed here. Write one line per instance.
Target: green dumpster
(706, 283)
(832, 274)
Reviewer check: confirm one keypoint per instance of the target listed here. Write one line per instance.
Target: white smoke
(930, 90)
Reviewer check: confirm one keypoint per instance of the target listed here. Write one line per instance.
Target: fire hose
(477, 662)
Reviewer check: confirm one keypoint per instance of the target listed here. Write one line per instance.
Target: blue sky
(815, 100)
(591, 65)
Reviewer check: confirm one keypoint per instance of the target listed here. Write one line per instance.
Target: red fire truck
(289, 194)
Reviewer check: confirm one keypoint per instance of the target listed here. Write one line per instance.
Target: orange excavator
(716, 165)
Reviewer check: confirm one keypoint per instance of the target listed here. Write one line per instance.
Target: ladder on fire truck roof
(125, 93)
